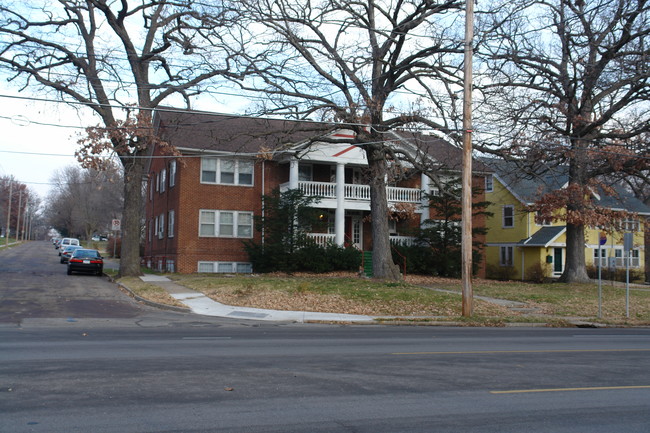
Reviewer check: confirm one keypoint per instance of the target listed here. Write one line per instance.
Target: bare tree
(372, 66)
(568, 83)
(114, 57)
(84, 201)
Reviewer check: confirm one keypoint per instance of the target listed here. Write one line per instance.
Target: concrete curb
(147, 301)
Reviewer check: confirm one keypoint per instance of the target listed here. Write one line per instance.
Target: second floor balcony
(356, 192)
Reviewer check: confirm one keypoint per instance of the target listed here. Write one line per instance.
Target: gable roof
(202, 131)
(192, 131)
(528, 188)
(543, 237)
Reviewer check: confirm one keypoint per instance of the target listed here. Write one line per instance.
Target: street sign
(115, 225)
(628, 241)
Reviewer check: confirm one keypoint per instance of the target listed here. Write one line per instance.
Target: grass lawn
(412, 299)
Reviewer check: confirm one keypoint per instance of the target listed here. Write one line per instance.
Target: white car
(67, 241)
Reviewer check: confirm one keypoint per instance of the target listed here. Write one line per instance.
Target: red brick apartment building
(201, 201)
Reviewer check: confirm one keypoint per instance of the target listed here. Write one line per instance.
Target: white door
(357, 232)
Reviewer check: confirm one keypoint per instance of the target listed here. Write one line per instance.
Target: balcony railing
(357, 192)
(326, 238)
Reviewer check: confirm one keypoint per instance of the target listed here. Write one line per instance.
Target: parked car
(86, 260)
(66, 252)
(68, 241)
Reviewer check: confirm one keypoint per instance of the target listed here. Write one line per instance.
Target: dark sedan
(86, 260)
(67, 252)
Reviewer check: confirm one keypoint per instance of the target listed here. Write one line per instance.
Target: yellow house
(517, 247)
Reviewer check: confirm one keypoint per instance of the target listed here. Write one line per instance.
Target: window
(489, 183)
(225, 267)
(246, 172)
(209, 170)
(305, 173)
(622, 258)
(603, 257)
(508, 216)
(172, 173)
(169, 266)
(226, 224)
(542, 221)
(163, 180)
(227, 171)
(506, 256)
(630, 225)
(161, 226)
(170, 224)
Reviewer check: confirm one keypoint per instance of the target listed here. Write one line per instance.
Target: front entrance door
(558, 263)
(357, 232)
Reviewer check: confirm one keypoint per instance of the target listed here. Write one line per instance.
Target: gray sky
(36, 139)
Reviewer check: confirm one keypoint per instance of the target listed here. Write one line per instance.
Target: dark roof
(542, 237)
(230, 133)
(440, 150)
(203, 131)
(529, 188)
(525, 186)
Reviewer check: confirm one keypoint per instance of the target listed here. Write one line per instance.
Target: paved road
(155, 371)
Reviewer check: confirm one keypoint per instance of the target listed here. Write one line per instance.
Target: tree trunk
(575, 270)
(382, 259)
(131, 217)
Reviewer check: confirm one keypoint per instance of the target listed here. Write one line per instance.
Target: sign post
(628, 244)
(115, 226)
(602, 241)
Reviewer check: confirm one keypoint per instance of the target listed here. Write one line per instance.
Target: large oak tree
(117, 58)
(372, 66)
(567, 82)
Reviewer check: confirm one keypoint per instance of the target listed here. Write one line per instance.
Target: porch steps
(367, 263)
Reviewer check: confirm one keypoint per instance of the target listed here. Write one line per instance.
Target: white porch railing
(402, 240)
(322, 238)
(357, 192)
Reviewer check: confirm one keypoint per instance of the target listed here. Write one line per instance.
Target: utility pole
(8, 228)
(466, 244)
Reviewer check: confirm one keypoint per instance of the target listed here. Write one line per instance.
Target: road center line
(593, 388)
(487, 352)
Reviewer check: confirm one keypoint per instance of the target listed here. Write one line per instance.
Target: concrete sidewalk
(200, 304)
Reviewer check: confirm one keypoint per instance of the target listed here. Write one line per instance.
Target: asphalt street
(109, 364)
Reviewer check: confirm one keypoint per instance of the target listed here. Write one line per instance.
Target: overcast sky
(36, 139)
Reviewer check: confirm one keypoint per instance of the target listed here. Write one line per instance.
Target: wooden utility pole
(466, 244)
(8, 228)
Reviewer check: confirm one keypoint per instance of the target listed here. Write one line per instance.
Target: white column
(424, 203)
(339, 216)
(293, 173)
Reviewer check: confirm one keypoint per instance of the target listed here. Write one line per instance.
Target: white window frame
(631, 225)
(218, 173)
(172, 173)
(219, 267)
(170, 224)
(217, 224)
(489, 183)
(506, 255)
(163, 179)
(161, 226)
(503, 216)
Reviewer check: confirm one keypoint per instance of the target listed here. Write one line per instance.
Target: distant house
(202, 200)
(519, 247)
